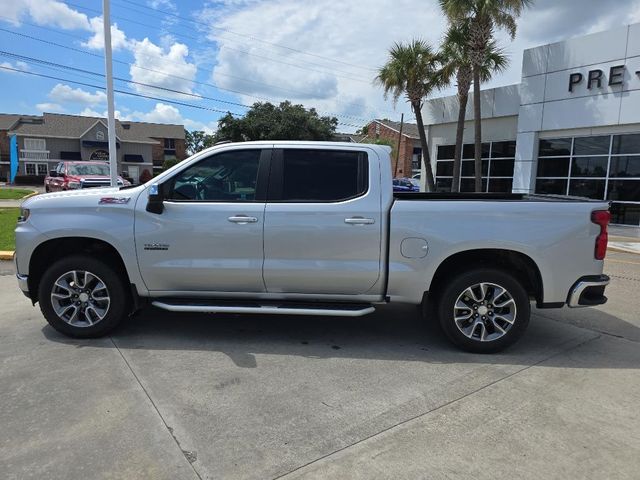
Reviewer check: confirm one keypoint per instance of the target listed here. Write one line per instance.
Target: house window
(35, 144)
(497, 167)
(33, 168)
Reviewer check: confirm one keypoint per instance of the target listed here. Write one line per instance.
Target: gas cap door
(414, 247)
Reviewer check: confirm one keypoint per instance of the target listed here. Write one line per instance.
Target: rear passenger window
(323, 175)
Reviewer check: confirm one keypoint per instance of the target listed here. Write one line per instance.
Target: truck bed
(510, 197)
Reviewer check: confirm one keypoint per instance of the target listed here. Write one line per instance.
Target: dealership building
(571, 127)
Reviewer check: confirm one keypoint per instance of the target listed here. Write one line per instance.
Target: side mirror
(53, 173)
(156, 198)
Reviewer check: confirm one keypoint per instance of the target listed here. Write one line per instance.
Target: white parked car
(311, 229)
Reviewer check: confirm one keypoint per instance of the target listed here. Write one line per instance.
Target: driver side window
(223, 177)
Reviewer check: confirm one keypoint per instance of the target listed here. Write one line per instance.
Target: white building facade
(571, 127)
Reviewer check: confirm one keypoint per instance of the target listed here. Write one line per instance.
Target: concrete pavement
(185, 396)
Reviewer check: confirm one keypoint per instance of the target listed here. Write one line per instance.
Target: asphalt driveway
(190, 396)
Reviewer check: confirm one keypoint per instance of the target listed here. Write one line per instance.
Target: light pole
(111, 121)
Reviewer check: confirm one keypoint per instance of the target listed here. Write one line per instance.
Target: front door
(209, 236)
(134, 173)
(323, 222)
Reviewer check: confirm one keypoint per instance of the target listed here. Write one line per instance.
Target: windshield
(89, 169)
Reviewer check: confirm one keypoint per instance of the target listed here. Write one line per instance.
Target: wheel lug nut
(484, 318)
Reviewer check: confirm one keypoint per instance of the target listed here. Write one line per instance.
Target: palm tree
(412, 70)
(456, 58)
(483, 16)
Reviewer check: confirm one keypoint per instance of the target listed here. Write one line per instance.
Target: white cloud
(96, 42)
(18, 66)
(44, 12)
(161, 113)
(362, 36)
(50, 107)
(357, 37)
(150, 59)
(65, 94)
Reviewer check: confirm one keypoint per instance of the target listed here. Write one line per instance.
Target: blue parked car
(404, 185)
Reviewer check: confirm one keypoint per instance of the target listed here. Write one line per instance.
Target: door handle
(242, 219)
(359, 221)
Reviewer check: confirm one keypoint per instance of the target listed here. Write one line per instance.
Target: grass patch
(13, 193)
(8, 220)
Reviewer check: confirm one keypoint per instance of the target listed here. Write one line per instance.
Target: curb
(6, 255)
(33, 194)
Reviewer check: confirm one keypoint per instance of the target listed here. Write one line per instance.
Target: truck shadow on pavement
(393, 333)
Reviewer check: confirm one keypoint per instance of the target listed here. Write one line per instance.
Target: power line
(218, 42)
(139, 95)
(38, 61)
(239, 92)
(154, 28)
(251, 37)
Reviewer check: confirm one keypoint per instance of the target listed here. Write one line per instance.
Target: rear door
(322, 221)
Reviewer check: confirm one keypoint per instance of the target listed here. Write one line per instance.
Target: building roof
(7, 120)
(74, 126)
(408, 129)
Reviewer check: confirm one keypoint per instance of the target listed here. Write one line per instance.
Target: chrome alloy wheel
(80, 298)
(484, 312)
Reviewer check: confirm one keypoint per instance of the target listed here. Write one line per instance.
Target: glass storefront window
(553, 167)
(625, 166)
(626, 144)
(625, 190)
(555, 147)
(551, 186)
(587, 188)
(592, 145)
(589, 166)
(497, 167)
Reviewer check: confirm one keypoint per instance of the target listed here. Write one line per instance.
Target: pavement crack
(189, 455)
(439, 407)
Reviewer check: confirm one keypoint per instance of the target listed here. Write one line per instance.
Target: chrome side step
(334, 310)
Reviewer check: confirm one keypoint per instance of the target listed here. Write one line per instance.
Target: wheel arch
(516, 263)
(61, 247)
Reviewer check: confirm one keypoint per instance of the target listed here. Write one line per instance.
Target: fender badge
(114, 200)
(156, 246)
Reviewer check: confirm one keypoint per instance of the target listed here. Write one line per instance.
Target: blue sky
(225, 55)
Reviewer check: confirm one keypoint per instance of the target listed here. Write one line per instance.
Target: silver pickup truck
(307, 228)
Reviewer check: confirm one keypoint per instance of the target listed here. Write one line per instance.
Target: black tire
(46, 189)
(115, 285)
(459, 284)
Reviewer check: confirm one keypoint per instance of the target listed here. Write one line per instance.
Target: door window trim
(262, 180)
(276, 177)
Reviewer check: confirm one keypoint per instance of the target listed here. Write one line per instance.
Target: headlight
(24, 214)
(74, 185)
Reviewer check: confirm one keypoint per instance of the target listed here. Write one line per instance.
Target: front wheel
(82, 297)
(484, 310)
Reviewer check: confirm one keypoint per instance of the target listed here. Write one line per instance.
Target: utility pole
(108, 66)
(395, 171)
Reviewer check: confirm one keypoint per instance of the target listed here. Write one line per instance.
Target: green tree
(412, 71)
(457, 63)
(265, 121)
(483, 18)
(197, 140)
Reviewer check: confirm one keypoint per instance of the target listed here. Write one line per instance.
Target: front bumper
(588, 291)
(23, 284)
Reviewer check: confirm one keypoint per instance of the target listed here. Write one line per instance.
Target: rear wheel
(82, 297)
(484, 311)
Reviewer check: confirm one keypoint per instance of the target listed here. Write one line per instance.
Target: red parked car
(75, 175)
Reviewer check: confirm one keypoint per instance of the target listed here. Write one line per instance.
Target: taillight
(601, 218)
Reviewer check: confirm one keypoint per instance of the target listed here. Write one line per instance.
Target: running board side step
(336, 310)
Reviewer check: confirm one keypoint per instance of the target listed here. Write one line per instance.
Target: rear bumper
(588, 291)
